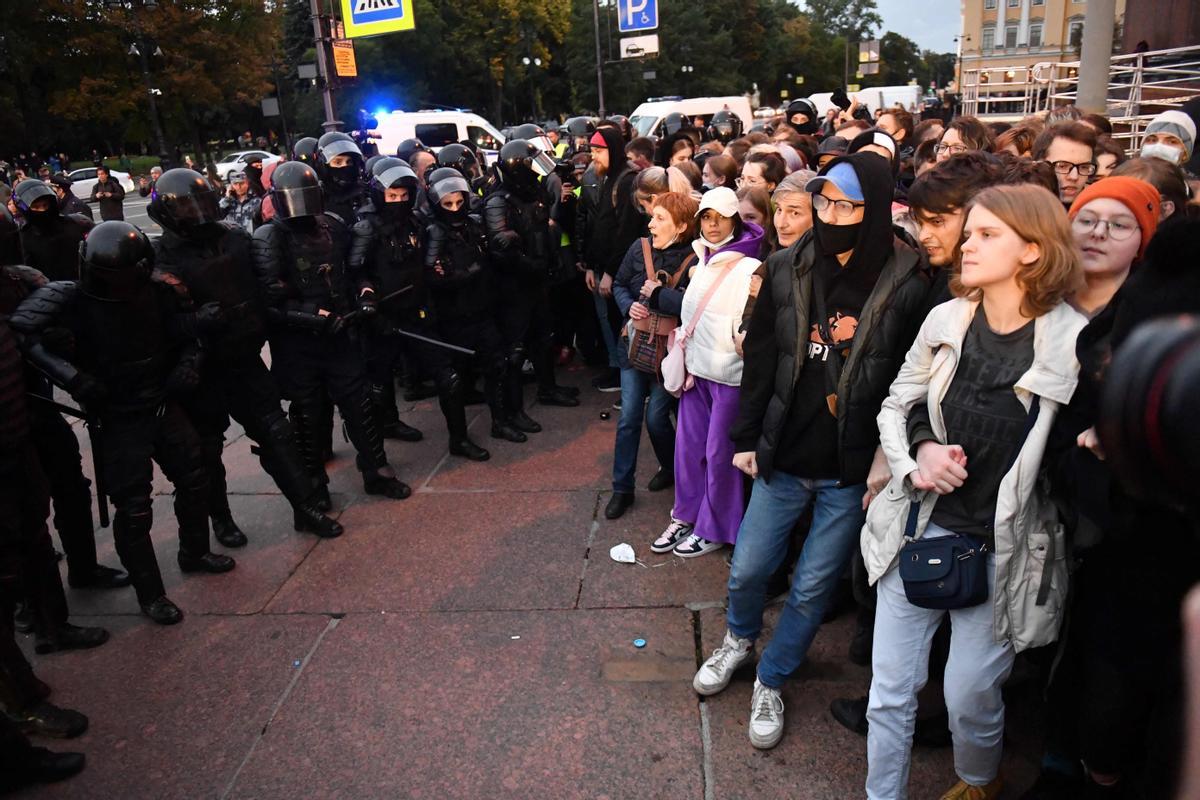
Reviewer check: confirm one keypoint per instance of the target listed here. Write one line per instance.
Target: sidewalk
(473, 641)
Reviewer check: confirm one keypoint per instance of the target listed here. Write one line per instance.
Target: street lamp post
(139, 49)
(532, 62)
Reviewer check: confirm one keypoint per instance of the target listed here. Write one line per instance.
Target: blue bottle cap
(639, 643)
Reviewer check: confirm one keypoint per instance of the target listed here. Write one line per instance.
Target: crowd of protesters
(856, 340)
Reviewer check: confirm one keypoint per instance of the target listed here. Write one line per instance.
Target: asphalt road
(135, 213)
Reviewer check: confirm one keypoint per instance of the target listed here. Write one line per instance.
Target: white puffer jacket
(711, 351)
(1030, 553)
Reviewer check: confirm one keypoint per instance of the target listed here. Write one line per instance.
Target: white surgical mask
(1166, 152)
(717, 245)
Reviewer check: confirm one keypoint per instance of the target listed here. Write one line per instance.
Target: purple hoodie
(749, 244)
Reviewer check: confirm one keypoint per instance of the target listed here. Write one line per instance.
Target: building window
(988, 5)
(1014, 3)
(989, 39)
(1075, 34)
(1035, 35)
(1039, 2)
(1010, 37)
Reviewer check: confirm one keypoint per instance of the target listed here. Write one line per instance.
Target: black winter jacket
(388, 255)
(54, 248)
(628, 285)
(456, 270)
(301, 266)
(518, 230)
(777, 340)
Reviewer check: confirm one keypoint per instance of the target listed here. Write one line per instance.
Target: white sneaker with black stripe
(675, 533)
(696, 545)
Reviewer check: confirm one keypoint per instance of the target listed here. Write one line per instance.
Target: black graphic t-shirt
(808, 445)
(984, 416)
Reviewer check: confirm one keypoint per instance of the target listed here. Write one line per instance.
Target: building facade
(1007, 39)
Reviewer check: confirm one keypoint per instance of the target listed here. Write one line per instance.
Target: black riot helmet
(802, 106)
(26, 197)
(113, 260)
(442, 183)
(461, 158)
(369, 165)
(10, 239)
(395, 176)
(623, 124)
(331, 146)
(521, 164)
(183, 201)
(385, 163)
(296, 191)
(580, 127)
(305, 150)
(536, 135)
(674, 123)
(408, 148)
(725, 126)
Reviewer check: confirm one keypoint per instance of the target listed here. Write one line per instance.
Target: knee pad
(449, 381)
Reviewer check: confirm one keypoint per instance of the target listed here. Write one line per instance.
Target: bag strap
(683, 265)
(647, 258)
(712, 290)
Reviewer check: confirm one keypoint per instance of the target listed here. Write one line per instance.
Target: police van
(648, 117)
(435, 129)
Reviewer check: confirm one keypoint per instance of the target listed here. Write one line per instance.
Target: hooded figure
(617, 222)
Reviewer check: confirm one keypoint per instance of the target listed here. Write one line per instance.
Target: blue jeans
(762, 544)
(611, 344)
(636, 386)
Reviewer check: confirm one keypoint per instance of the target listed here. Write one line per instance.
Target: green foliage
(69, 82)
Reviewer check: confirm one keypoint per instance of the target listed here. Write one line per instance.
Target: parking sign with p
(637, 15)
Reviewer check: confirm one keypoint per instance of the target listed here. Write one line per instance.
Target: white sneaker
(675, 533)
(715, 673)
(696, 545)
(766, 717)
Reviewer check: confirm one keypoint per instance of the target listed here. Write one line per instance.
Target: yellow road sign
(343, 59)
(373, 17)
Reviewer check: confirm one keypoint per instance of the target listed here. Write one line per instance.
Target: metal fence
(1140, 85)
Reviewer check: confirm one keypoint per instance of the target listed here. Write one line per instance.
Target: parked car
(236, 162)
(436, 129)
(82, 181)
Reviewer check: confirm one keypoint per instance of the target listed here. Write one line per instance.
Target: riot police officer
(131, 362)
(460, 157)
(386, 248)
(305, 150)
(522, 247)
(339, 164)
(212, 260)
(314, 304)
(801, 115)
(725, 126)
(50, 238)
(461, 285)
(55, 442)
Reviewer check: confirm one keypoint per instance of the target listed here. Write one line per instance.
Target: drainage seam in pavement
(333, 623)
(706, 767)
(587, 552)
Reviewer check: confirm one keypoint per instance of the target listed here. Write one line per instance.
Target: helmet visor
(304, 201)
(338, 148)
(543, 164)
(447, 186)
(390, 177)
(194, 209)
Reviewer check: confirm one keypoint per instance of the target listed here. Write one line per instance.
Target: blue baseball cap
(841, 175)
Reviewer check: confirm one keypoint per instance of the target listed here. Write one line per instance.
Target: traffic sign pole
(599, 58)
(331, 122)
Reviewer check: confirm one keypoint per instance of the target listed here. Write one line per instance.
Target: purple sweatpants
(708, 488)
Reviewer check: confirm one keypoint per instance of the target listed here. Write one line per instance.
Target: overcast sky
(932, 24)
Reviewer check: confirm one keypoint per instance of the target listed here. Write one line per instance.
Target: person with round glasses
(1112, 221)
(1070, 148)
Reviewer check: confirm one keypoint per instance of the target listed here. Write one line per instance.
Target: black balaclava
(873, 236)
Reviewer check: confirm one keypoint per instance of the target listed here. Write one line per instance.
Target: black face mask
(397, 212)
(42, 218)
(343, 177)
(455, 219)
(833, 240)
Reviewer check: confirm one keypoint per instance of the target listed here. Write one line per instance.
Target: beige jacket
(1030, 557)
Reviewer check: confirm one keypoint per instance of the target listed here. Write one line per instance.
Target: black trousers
(131, 441)
(58, 451)
(387, 352)
(28, 570)
(525, 324)
(310, 367)
(478, 334)
(240, 386)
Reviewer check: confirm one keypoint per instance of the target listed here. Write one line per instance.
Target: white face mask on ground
(1166, 152)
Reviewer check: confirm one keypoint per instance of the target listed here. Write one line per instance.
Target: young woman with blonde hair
(964, 429)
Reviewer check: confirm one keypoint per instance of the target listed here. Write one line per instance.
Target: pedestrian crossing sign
(373, 17)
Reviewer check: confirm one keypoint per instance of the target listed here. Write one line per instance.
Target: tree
(854, 19)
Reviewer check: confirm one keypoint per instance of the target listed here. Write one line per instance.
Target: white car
(82, 181)
(236, 162)
(435, 129)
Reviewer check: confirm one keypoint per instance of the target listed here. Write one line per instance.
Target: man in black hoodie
(832, 323)
(612, 227)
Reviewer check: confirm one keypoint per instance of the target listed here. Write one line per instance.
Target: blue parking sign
(637, 15)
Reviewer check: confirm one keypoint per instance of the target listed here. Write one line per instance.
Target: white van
(647, 118)
(875, 97)
(435, 129)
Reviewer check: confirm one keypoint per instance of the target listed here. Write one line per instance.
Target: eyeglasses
(1118, 229)
(952, 149)
(842, 209)
(748, 180)
(1065, 167)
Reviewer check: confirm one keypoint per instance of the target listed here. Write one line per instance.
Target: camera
(1150, 414)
